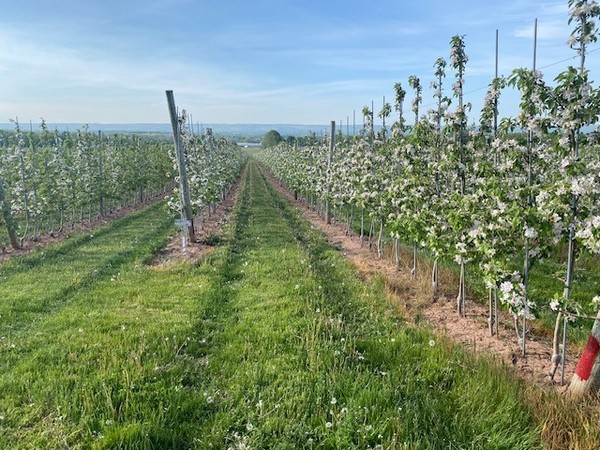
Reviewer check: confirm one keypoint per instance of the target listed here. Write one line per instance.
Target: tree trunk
(435, 279)
(413, 272)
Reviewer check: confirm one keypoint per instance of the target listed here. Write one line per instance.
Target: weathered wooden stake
(186, 203)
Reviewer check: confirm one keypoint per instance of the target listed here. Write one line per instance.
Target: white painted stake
(586, 378)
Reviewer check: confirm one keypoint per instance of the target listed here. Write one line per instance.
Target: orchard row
(479, 195)
(50, 180)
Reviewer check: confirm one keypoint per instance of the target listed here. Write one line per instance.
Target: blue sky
(260, 61)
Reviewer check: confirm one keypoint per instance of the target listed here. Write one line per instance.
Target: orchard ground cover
(272, 341)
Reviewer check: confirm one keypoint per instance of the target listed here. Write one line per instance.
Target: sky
(259, 61)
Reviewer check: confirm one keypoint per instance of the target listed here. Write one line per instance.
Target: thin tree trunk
(380, 240)
(435, 279)
(362, 226)
(413, 272)
(491, 317)
(460, 300)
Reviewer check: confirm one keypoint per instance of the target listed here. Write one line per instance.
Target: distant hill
(245, 132)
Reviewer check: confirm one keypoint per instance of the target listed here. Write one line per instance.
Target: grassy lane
(98, 349)
(273, 342)
(32, 287)
(303, 355)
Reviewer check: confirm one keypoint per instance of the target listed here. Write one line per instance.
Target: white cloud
(549, 30)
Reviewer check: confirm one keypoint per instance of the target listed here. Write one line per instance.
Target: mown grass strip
(38, 284)
(117, 363)
(307, 356)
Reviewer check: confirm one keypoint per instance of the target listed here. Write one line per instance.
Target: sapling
(458, 122)
(415, 83)
(398, 129)
(442, 103)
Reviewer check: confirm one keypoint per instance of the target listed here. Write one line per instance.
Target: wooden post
(329, 158)
(186, 203)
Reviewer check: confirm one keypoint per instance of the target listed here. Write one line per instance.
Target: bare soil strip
(207, 233)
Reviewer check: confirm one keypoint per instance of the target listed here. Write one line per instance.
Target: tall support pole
(493, 300)
(529, 205)
(572, 250)
(496, 99)
(329, 160)
(186, 203)
(383, 118)
(372, 121)
(101, 173)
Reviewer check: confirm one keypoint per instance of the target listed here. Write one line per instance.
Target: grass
(271, 342)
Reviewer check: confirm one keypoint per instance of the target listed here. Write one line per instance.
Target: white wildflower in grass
(249, 426)
(333, 401)
(596, 300)
(297, 287)
(554, 305)
(431, 343)
(328, 425)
